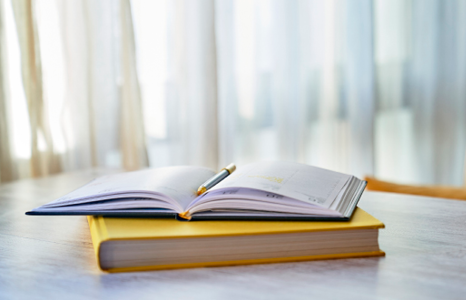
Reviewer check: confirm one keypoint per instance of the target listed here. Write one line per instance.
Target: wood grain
(52, 257)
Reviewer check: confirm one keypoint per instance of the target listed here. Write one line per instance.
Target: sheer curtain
(300, 75)
(358, 86)
(70, 97)
(421, 96)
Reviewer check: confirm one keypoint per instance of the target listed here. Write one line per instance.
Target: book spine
(98, 234)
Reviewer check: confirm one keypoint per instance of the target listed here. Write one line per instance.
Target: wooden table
(52, 257)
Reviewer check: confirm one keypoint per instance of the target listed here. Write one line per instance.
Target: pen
(216, 179)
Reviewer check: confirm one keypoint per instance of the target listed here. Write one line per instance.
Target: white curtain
(421, 90)
(299, 75)
(369, 87)
(70, 97)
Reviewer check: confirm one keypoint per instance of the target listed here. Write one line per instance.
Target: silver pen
(216, 179)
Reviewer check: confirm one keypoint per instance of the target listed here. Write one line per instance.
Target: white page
(302, 182)
(236, 199)
(179, 183)
(251, 194)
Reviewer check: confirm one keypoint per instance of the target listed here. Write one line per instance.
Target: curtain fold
(192, 85)
(43, 159)
(6, 161)
(360, 84)
(132, 137)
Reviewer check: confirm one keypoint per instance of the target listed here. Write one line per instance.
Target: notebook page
(179, 182)
(302, 182)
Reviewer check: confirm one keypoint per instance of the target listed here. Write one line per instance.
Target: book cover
(104, 229)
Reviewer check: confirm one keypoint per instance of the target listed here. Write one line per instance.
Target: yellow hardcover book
(123, 244)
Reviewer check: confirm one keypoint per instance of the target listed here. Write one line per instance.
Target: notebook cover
(105, 229)
(150, 214)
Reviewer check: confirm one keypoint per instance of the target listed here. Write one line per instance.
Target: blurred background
(358, 86)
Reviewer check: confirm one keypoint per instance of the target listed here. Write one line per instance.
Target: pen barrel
(216, 179)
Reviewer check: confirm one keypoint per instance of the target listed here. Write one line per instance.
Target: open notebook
(263, 190)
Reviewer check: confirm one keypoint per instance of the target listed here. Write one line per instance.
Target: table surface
(44, 257)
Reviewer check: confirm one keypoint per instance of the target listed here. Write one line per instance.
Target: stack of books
(184, 216)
